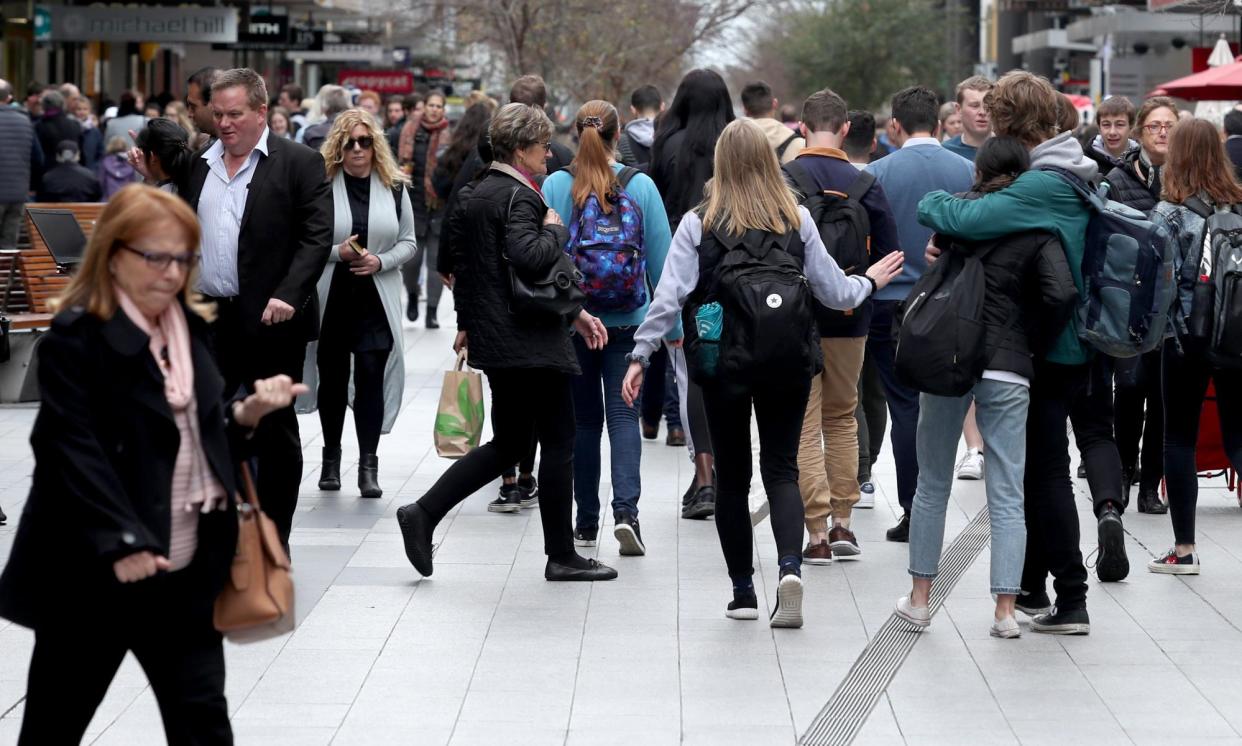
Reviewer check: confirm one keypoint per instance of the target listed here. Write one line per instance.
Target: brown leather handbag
(257, 601)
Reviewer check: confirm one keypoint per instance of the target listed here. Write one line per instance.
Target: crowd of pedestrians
(259, 256)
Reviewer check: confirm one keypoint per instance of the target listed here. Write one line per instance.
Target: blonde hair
(747, 191)
(136, 210)
(383, 163)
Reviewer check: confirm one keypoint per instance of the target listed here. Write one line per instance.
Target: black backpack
(941, 346)
(1216, 283)
(843, 223)
(768, 330)
(780, 149)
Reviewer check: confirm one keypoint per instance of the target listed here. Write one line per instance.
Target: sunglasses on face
(159, 260)
(366, 142)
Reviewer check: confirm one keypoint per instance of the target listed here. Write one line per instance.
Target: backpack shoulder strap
(626, 174)
(1198, 207)
(397, 192)
(802, 179)
(861, 186)
(780, 149)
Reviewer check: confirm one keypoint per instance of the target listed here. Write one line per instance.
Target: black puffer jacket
(1125, 186)
(1030, 296)
(483, 232)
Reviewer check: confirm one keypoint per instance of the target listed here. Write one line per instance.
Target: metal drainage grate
(859, 692)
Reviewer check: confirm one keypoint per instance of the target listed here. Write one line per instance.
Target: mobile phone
(357, 248)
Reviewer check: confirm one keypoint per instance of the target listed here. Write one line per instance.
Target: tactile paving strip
(858, 693)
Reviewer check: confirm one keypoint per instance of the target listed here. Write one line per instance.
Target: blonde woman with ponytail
(597, 392)
(748, 206)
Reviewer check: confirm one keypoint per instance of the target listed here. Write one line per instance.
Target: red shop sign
(380, 81)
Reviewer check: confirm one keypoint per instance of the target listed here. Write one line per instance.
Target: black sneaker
(1112, 564)
(1033, 604)
(3, 517)
(788, 609)
(586, 537)
(900, 532)
(701, 505)
(629, 536)
(743, 606)
(1171, 564)
(1068, 622)
(416, 528)
(530, 491)
(1149, 501)
(510, 500)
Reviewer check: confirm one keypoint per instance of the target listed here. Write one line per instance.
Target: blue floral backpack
(608, 250)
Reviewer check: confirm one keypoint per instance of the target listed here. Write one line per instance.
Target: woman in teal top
(619, 289)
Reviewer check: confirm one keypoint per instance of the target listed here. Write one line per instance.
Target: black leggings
(1140, 414)
(1185, 386)
(525, 401)
(166, 622)
(779, 409)
(368, 395)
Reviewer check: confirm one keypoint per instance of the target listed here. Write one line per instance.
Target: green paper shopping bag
(459, 418)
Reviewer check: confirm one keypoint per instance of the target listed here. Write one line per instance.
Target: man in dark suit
(266, 215)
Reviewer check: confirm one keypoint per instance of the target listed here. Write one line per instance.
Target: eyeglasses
(160, 260)
(547, 146)
(1157, 127)
(366, 142)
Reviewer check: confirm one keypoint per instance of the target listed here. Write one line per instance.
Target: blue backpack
(608, 250)
(1127, 271)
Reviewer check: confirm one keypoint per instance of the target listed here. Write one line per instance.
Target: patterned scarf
(405, 153)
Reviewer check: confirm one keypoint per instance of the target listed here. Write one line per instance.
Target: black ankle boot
(432, 323)
(330, 477)
(368, 475)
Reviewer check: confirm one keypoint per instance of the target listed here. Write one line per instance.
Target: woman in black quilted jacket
(1139, 413)
(528, 358)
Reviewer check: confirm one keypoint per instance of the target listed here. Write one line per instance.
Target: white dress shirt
(221, 205)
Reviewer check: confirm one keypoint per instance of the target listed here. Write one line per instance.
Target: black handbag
(554, 291)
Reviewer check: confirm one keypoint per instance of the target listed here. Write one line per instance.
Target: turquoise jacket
(557, 190)
(1037, 200)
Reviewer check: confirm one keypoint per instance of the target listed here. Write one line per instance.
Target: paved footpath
(487, 652)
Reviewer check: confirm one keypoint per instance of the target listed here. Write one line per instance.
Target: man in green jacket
(1024, 106)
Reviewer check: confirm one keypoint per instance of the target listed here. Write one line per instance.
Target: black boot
(1149, 501)
(3, 517)
(411, 310)
(368, 475)
(330, 477)
(431, 318)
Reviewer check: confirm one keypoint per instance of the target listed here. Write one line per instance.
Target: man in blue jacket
(828, 452)
(919, 166)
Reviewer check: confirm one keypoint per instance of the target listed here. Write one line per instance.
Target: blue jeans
(605, 368)
(903, 401)
(1001, 410)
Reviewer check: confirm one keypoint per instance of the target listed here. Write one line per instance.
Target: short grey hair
(333, 99)
(51, 99)
(6, 91)
(244, 77)
(517, 126)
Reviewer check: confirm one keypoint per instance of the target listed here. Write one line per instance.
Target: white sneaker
(1006, 628)
(866, 496)
(919, 616)
(971, 465)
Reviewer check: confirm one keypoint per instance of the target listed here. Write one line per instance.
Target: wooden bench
(42, 279)
(29, 281)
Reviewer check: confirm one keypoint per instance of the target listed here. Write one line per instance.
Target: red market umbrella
(1222, 83)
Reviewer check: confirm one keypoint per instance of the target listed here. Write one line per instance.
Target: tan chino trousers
(828, 451)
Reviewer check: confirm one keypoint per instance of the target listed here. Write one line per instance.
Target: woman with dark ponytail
(165, 154)
(619, 236)
(1029, 288)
